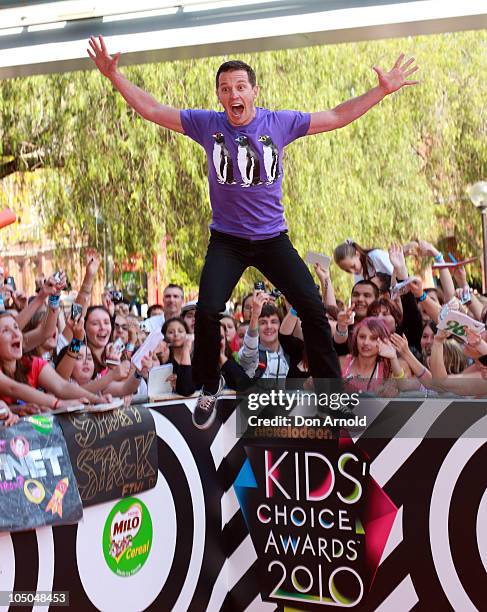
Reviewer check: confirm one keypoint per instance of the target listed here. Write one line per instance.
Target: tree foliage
(397, 173)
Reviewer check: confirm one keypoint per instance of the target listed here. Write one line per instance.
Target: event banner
(37, 484)
(318, 521)
(114, 454)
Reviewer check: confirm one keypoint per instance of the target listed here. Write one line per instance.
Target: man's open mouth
(237, 110)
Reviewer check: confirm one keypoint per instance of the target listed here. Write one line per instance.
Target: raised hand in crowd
(259, 298)
(429, 306)
(399, 369)
(162, 352)
(107, 302)
(386, 349)
(396, 255)
(426, 249)
(77, 327)
(345, 318)
(400, 343)
(410, 248)
(327, 291)
(19, 299)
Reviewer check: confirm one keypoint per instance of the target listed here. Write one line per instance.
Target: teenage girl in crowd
(373, 365)
(176, 335)
(33, 371)
(364, 264)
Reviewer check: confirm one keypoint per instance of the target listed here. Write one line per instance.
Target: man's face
(269, 329)
(173, 302)
(237, 96)
(362, 298)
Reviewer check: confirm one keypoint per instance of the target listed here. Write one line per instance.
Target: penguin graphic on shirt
(222, 161)
(248, 162)
(271, 159)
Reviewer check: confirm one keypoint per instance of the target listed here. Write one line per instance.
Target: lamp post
(478, 195)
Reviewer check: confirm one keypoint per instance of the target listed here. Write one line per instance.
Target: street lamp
(478, 195)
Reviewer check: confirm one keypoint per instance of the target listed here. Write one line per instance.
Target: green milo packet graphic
(127, 537)
(41, 423)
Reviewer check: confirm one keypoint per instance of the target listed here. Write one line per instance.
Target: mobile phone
(145, 327)
(76, 311)
(117, 296)
(10, 282)
(57, 276)
(259, 286)
(275, 293)
(118, 345)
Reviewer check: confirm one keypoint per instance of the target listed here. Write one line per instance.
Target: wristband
(400, 375)
(438, 258)
(342, 334)
(53, 301)
(130, 347)
(423, 297)
(293, 312)
(55, 404)
(75, 345)
(422, 373)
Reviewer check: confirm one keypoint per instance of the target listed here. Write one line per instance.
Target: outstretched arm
(141, 101)
(345, 113)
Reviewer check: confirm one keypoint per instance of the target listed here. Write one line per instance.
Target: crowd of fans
(386, 336)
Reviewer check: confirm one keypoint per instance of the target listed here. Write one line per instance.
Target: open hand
(400, 343)
(396, 255)
(106, 64)
(93, 261)
(386, 349)
(426, 249)
(397, 77)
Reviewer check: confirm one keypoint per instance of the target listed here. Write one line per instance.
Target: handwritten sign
(37, 484)
(114, 454)
(456, 323)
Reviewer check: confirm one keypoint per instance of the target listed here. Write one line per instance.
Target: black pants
(226, 260)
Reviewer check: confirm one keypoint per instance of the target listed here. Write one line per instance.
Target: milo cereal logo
(127, 537)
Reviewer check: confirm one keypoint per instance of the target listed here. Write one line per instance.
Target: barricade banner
(114, 454)
(318, 521)
(37, 484)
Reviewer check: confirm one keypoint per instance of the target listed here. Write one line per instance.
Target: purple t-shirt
(245, 167)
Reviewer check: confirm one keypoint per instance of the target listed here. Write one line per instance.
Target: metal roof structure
(43, 36)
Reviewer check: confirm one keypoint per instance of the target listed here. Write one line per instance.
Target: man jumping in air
(244, 145)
